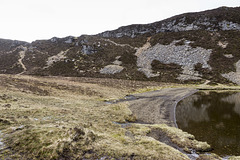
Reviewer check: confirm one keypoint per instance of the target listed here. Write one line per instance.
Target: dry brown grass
(53, 118)
(67, 118)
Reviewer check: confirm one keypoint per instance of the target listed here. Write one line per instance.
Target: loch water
(213, 117)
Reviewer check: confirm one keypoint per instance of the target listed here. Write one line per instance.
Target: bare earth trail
(117, 44)
(20, 61)
(158, 107)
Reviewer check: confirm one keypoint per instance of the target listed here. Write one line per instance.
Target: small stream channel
(213, 117)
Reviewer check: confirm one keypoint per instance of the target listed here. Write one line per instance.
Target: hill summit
(191, 47)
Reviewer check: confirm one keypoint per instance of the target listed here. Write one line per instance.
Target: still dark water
(212, 117)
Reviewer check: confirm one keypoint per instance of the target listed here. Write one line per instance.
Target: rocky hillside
(192, 47)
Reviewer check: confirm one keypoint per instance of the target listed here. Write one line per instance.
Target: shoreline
(176, 103)
(158, 107)
(166, 100)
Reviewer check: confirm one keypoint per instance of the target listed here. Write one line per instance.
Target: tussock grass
(72, 121)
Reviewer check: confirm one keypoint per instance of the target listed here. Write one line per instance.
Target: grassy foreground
(64, 118)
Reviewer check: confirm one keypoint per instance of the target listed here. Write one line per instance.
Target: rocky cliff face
(186, 48)
(223, 18)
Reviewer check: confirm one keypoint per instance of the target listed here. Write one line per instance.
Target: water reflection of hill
(190, 113)
(212, 117)
(234, 99)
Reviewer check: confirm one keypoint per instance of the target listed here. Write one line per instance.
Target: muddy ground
(158, 107)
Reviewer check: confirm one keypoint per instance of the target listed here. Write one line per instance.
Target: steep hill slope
(192, 47)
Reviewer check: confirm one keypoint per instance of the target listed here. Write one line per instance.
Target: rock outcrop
(223, 18)
(234, 76)
(183, 55)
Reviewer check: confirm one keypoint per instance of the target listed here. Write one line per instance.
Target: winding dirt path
(117, 44)
(20, 60)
